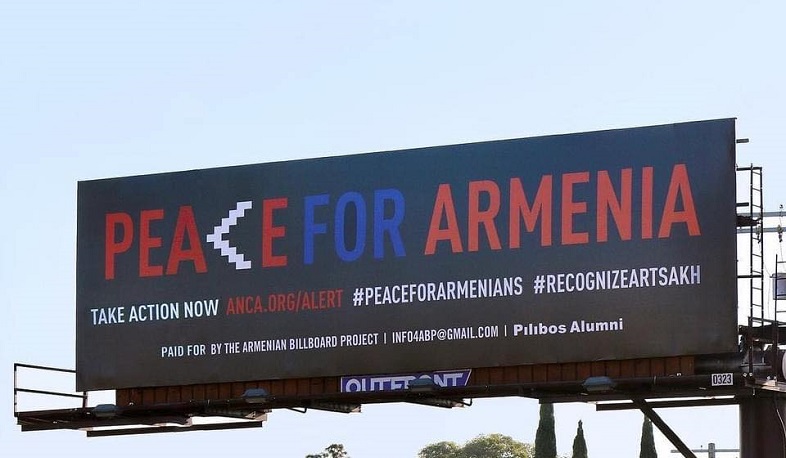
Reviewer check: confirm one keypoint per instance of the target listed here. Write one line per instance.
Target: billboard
(581, 247)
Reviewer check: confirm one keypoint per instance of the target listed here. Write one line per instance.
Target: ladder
(754, 220)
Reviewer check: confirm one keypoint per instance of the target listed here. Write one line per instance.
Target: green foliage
(483, 446)
(647, 441)
(579, 444)
(495, 446)
(332, 451)
(545, 437)
(444, 449)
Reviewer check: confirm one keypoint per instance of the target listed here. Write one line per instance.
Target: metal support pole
(762, 432)
(711, 450)
(775, 366)
(15, 392)
(664, 428)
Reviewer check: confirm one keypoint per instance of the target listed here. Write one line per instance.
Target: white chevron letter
(217, 237)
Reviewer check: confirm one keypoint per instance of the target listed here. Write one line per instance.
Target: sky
(102, 89)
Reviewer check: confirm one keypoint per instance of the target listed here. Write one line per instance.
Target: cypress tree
(579, 445)
(545, 438)
(647, 441)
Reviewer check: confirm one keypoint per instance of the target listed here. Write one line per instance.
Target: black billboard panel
(592, 246)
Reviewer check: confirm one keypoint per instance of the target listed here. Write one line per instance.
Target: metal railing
(18, 390)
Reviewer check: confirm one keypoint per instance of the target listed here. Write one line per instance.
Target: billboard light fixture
(422, 385)
(599, 384)
(255, 395)
(441, 402)
(105, 411)
(336, 407)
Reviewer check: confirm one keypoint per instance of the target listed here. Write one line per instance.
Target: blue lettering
(311, 228)
(391, 226)
(360, 226)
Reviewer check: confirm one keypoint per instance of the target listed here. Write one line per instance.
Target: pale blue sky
(107, 88)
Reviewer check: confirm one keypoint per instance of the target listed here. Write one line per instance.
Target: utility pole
(711, 450)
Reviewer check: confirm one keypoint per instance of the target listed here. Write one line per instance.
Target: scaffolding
(764, 331)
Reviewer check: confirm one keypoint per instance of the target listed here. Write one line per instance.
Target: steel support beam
(173, 429)
(664, 404)
(762, 426)
(664, 428)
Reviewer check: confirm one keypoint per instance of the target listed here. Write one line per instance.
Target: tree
(545, 438)
(336, 451)
(495, 446)
(483, 446)
(444, 449)
(579, 444)
(647, 441)
(332, 451)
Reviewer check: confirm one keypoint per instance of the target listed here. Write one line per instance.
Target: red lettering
(186, 228)
(308, 300)
(570, 208)
(646, 203)
(241, 305)
(620, 208)
(271, 232)
(443, 204)
(147, 243)
(478, 217)
(231, 305)
(325, 298)
(337, 296)
(113, 246)
(679, 186)
(519, 208)
(248, 308)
